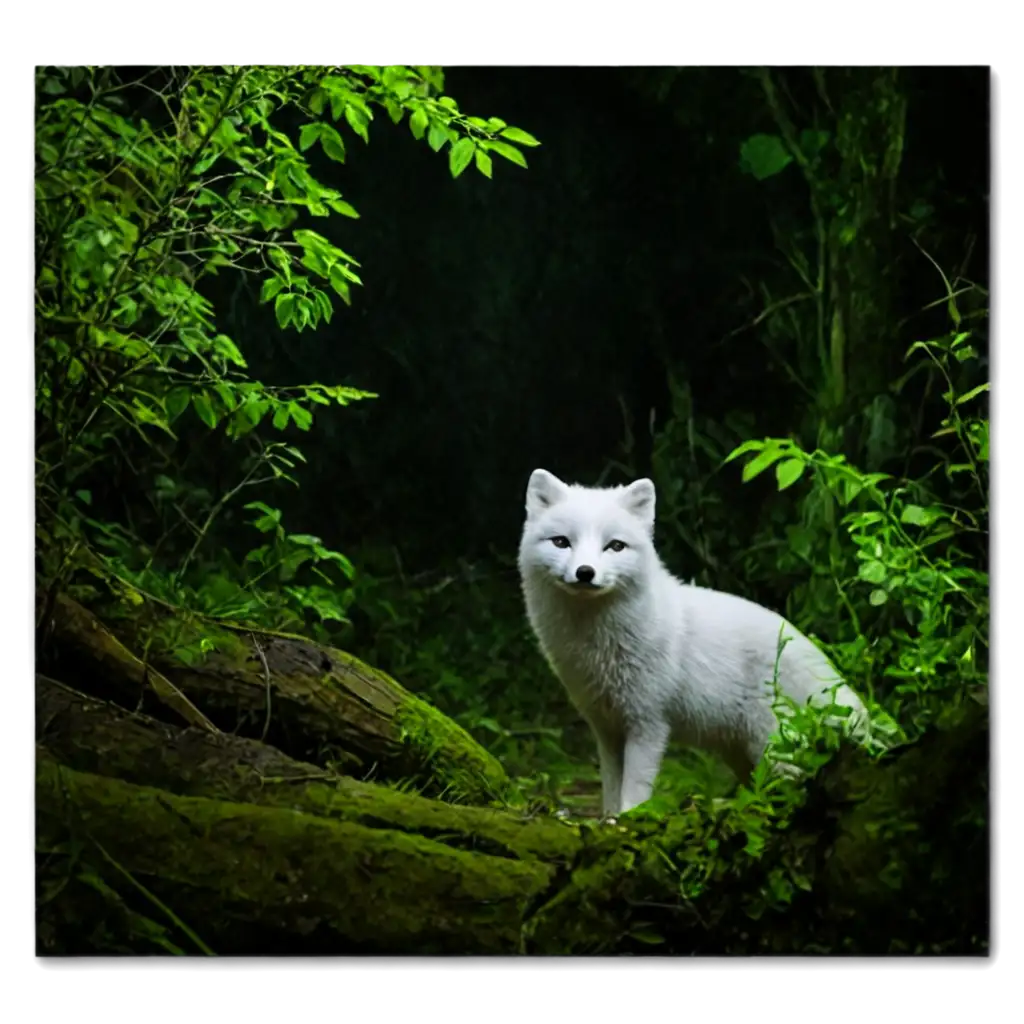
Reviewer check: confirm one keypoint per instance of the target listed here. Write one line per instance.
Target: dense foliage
(147, 186)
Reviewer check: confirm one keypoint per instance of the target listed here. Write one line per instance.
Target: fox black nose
(585, 574)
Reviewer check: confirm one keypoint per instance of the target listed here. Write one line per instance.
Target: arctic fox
(644, 656)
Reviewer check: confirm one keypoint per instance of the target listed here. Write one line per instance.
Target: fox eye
(615, 545)
(560, 542)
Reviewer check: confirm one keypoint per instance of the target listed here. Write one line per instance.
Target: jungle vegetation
(301, 335)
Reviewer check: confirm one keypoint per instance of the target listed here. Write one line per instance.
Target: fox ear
(543, 491)
(638, 498)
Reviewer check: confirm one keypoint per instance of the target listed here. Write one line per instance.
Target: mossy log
(94, 736)
(155, 837)
(244, 877)
(313, 702)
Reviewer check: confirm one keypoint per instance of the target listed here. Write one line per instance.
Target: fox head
(587, 541)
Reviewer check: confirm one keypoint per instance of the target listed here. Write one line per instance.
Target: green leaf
(460, 156)
(127, 310)
(418, 123)
(176, 402)
(203, 165)
(332, 144)
(357, 120)
(269, 521)
(915, 515)
(873, 571)
(227, 396)
(204, 408)
(309, 134)
(261, 506)
(280, 258)
(271, 287)
(813, 142)
(878, 597)
(787, 473)
(973, 393)
(247, 416)
(483, 163)
(340, 285)
(764, 156)
(284, 308)
(518, 135)
(437, 136)
(225, 347)
(761, 462)
(345, 209)
(314, 261)
(341, 269)
(850, 489)
(227, 134)
(310, 239)
(508, 152)
(303, 417)
(747, 446)
(281, 414)
(322, 300)
(979, 437)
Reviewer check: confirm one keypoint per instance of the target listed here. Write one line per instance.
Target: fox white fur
(644, 656)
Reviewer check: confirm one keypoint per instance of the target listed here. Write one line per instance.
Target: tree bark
(314, 703)
(249, 879)
(93, 736)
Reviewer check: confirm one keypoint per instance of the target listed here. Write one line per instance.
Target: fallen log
(244, 878)
(96, 737)
(158, 838)
(315, 703)
(88, 641)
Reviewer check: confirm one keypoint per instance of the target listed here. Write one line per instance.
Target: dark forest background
(537, 319)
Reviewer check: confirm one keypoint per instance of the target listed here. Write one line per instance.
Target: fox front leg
(609, 752)
(644, 749)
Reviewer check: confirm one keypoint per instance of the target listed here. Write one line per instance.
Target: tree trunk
(314, 703)
(89, 735)
(250, 879)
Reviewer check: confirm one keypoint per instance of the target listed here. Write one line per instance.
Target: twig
(266, 676)
(767, 312)
(159, 904)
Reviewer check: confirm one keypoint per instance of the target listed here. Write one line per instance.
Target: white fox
(644, 656)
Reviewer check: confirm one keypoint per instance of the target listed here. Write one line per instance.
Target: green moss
(463, 772)
(468, 828)
(239, 866)
(443, 757)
